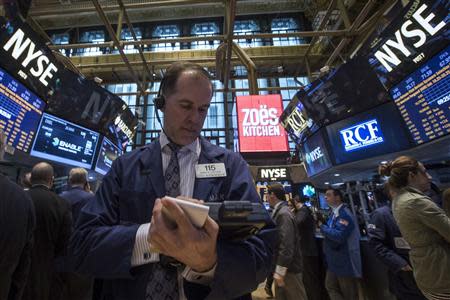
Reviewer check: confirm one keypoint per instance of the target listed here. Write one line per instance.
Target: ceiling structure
(338, 27)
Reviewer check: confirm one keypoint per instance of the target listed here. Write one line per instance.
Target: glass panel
(95, 37)
(285, 25)
(166, 32)
(247, 27)
(205, 29)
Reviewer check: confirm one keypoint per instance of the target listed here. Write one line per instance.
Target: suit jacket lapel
(151, 165)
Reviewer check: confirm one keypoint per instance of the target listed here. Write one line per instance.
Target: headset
(159, 101)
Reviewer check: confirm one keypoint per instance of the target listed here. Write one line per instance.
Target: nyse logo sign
(273, 174)
(361, 135)
(314, 155)
(410, 34)
(24, 51)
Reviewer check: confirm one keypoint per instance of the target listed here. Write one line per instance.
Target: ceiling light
(337, 174)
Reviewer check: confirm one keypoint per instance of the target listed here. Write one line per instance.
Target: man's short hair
(42, 173)
(337, 192)
(278, 190)
(174, 72)
(78, 176)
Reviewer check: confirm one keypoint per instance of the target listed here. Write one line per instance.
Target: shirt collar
(336, 210)
(277, 205)
(193, 147)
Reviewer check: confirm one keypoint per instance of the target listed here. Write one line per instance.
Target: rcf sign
(258, 123)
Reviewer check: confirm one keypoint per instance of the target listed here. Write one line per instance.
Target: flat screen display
(107, 154)
(423, 99)
(259, 125)
(351, 88)
(375, 132)
(315, 154)
(416, 33)
(65, 142)
(20, 112)
(295, 120)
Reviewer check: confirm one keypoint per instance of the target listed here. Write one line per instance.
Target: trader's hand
(279, 280)
(195, 247)
(407, 268)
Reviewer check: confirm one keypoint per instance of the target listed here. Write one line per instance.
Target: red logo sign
(258, 123)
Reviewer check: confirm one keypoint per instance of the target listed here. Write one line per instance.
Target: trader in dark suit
(114, 232)
(51, 237)
(16, 232)
(308, 245)
(77, 286)
(342, 250)
(391, 248)
(288, 270)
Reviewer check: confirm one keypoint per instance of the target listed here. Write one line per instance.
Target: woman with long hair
(424, 226)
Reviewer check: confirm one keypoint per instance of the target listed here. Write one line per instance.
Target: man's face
(272, 199)
(186, 108)
(421, 180)
(332, 199)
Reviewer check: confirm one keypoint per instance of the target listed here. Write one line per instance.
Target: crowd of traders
(53, 246)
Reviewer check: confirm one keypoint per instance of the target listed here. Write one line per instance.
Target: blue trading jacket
(383, 230)
(341, 244)
(105, 233)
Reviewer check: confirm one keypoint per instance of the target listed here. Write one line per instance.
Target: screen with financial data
(107, 154)
(424, 99)
(65, 142)
(20, 112)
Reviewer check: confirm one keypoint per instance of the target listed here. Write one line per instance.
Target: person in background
(446, 202)
(17, 221)
(310, 254)
(342, 249)
(288, 270)
(51, 237)
(424, 225)
(392, 249)
(117, 232)
(26, 181)
(77, 286)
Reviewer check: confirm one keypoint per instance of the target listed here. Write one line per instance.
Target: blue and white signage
(361, 135)
(368, 134)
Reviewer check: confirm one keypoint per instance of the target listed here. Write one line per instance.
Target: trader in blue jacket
(341, 248)
(116, 232)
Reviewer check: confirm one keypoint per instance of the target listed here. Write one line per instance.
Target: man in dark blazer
(51, 236)
(17, 223)
(288, 270)
(77, 286)
(308, 245)
(115, 231)
(342, 250)
(391, 248)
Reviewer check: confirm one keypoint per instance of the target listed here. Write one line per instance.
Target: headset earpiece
(159, 102)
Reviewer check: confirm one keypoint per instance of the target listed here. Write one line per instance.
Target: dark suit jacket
(17, 223)
(289, 252)
(106, 229)
(51, 237)
(76, 197)
(306, 227)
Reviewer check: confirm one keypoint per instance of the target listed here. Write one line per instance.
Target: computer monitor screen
(378, 131)
(315, 154)
(20, 112)
(65, 142)
(423, 99)
(107, 154)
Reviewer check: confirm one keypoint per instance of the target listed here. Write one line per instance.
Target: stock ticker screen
(106, 156)
(20, 112)
(62, 141)
(424, 99)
